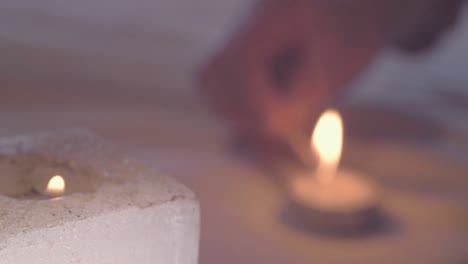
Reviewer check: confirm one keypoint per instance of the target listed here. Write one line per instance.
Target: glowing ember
(327, 141)
(56, 185)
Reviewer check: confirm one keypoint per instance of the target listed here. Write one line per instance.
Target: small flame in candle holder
(331, 199)
(327, 141)
(38, 176)
(56, 186)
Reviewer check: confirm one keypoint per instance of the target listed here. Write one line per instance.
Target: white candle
(330, 196)
(127, 214)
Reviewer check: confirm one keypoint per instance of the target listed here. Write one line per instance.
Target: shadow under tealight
(370, 224)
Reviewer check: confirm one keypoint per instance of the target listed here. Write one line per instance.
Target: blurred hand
(291, 58)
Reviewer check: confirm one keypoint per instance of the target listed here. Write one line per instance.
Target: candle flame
(327, 141)
(56, 185)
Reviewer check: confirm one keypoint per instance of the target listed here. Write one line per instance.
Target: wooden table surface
(127, 74)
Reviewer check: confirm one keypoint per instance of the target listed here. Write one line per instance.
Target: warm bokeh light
(56, 185)
(327, 141)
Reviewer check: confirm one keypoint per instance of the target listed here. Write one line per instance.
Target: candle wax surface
(347, 192)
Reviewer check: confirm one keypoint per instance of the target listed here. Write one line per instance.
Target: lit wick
(56, 186)
(331, 198)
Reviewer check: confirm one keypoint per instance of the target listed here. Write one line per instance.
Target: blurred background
(125, 69)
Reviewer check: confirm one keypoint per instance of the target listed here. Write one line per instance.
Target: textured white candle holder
(129, 213)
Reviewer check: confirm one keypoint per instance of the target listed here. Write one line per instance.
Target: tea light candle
(331, 198)
(66, 197)
(41, 176)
